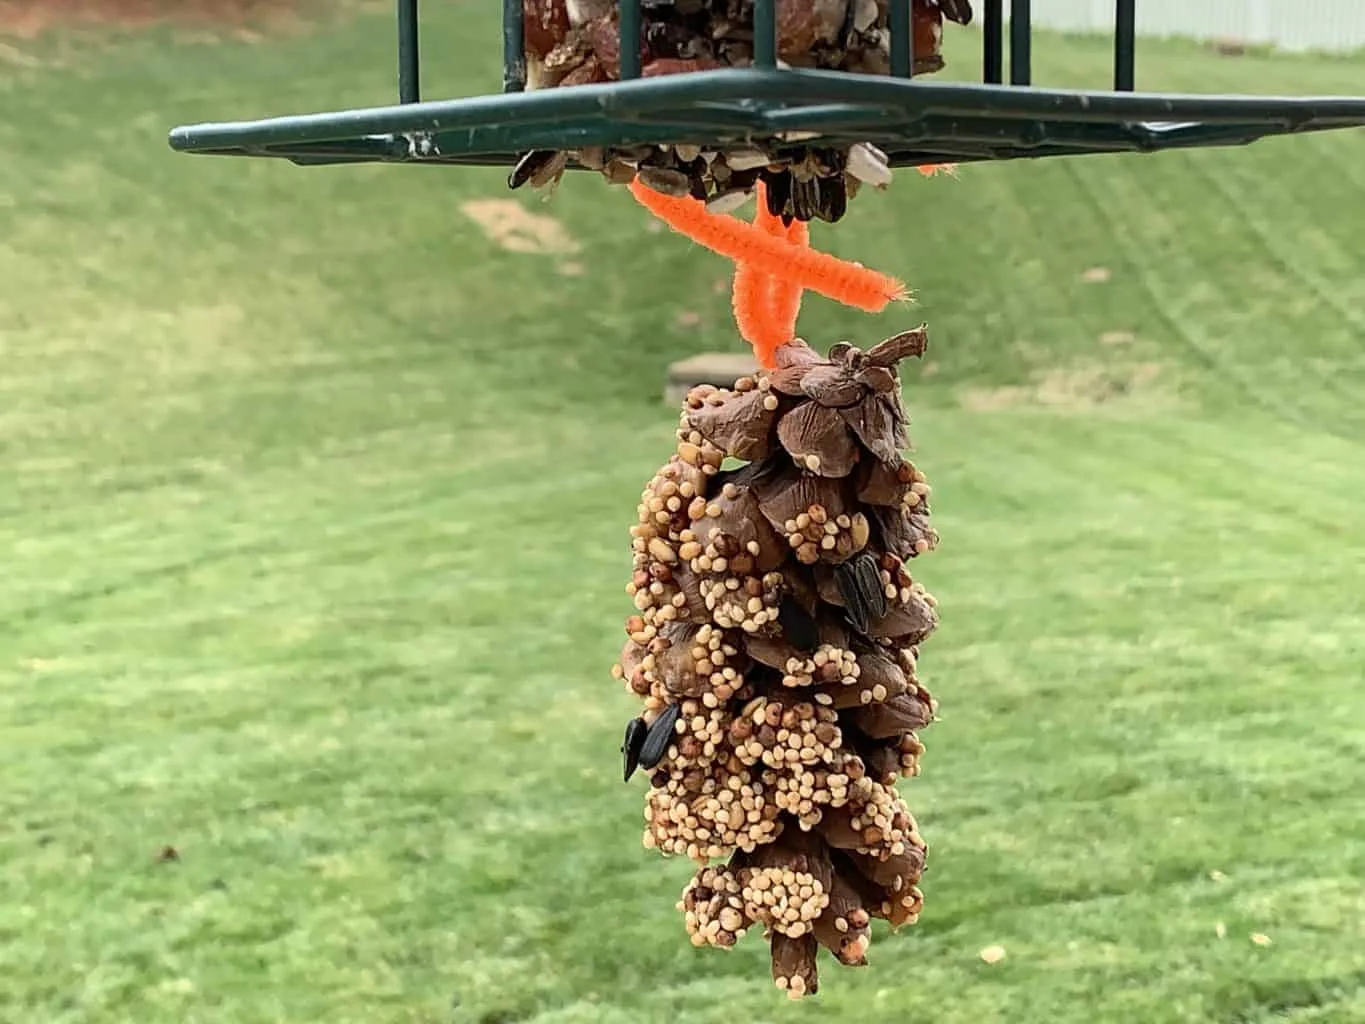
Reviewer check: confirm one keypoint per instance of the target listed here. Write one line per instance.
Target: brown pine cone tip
(775, 646)
(577, 42)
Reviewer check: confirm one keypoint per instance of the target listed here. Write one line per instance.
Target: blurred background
(314, 497)
(1325, 25)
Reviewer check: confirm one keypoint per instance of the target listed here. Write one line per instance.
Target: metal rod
(409, 54)
(765, 33)
(513, 47)
(1021, 42)
(652, 103)
(1125, 44)
(630, 39)
(993, 43)
(902, 40)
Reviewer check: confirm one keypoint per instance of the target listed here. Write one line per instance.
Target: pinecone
(577, 42)
(775, 648)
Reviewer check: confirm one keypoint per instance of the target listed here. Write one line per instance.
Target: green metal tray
(914, 121)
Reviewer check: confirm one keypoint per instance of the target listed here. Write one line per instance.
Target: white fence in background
(1290, 24)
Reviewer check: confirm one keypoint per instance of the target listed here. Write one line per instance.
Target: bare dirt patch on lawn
(29, 19)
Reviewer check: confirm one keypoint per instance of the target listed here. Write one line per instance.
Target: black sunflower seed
(830, 163)
(833, 199)
(870, 583)
(779, 190)
(860, 586)
(798, 626)
(846, 579)
(959, 11)
(527, 167)
(745, 179)
(635, 739)
(806, 198)
(660, 735)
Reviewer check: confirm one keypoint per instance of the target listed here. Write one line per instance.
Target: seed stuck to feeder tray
(775, 648)
(577, 42)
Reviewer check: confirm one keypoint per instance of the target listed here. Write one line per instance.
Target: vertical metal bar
(409, 54)
(513, 47)
(630, 39)
(1021, 42)
(993, 43)
(1125, 44)
(765, 33)
(902, 39)
(910, 44)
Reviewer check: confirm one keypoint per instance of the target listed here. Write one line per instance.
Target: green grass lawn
(313, 545)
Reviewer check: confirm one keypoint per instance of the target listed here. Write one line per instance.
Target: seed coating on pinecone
(775, 648)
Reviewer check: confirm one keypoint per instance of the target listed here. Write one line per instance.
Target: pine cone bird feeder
(775, 647)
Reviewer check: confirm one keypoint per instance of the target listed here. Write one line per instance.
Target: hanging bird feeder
(776, 640)
(635, 101)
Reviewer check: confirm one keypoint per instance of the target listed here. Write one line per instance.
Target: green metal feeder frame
(914, 121)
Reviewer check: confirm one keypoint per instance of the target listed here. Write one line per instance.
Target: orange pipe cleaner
(774, 265)
(766, 306)
(785, 296)
(841, 280)
(749, 299)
